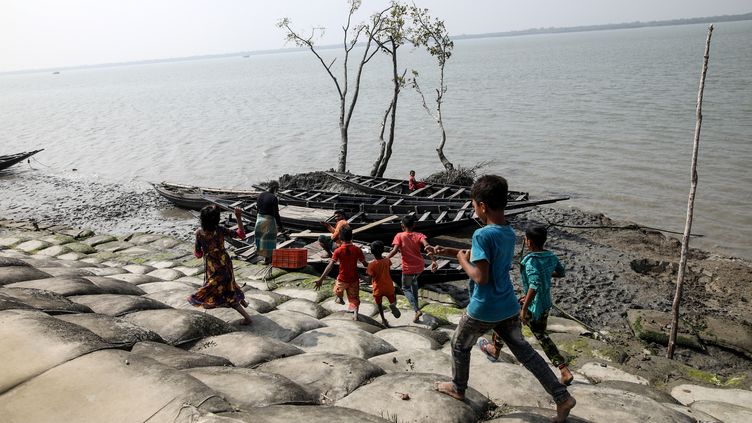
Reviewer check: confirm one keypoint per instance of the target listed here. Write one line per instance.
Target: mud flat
(97, 327)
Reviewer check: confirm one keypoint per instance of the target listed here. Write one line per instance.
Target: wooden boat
(354, 203)
(448, 269)
(387, 186)
(192, 197)
(367, 226)
(11, 159)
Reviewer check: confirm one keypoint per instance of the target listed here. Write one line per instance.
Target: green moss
(714, 379)
(80, 247)
(441, 311)
(138, 260)
(526, 332)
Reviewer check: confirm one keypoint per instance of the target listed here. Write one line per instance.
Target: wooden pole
(690, 206)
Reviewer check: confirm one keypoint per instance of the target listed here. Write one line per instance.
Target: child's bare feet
(417, 316)
(566, 376)
(339, 300)
(449, 389)
(355, 314)
(563, 409)
(245, 322)
(385, 323)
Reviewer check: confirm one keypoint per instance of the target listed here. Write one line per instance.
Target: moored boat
(11, 159)
(192, 197)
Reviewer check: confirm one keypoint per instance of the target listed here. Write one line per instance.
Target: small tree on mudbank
(389, 39)
(432, 34)
(347, 100)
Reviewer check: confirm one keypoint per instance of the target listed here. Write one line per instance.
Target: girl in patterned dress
(220, 289)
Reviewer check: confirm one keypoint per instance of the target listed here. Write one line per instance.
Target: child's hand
(439, 250)
(238, 211)
(434, 266)
(430, 249)
(524, 316)
(318, 284)
(463, 254)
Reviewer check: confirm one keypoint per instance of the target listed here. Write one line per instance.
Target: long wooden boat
(11, 159)
(192, 197)
(448, 269)
(367, 226)
(354, 203)
(400, 187)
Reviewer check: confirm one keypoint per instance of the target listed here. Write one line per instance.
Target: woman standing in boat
(268, 222)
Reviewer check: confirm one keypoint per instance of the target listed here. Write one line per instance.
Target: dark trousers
(509, 331)
(538, 328)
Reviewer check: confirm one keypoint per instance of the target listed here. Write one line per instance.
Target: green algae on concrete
(442, 312)
(58, 239)
(80, 247)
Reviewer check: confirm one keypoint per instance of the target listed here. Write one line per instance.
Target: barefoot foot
(563, 408)
(448, 388)
(416, 319)
(385, 323)
(245, 322)
(566, 376)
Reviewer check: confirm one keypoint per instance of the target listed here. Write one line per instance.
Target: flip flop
(483, 344)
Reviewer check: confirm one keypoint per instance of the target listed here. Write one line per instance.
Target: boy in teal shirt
(493, 303)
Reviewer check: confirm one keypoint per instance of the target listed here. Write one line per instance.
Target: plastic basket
(290, 258)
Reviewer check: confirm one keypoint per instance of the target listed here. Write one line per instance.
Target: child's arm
(395, 250)
(558, 270)
(429, 250)
(239, 218)
(197, 251)
(524, 312)
(477, 271)
(323, 275)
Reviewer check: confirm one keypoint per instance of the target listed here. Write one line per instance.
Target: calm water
(607, 117)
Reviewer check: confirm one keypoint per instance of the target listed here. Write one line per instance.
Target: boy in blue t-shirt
(493, 303)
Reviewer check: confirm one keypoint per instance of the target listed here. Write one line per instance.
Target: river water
(607, 117)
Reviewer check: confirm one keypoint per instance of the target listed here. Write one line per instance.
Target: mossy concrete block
(406, 340)
(727, 334)
(193, 262)
(141, 239)
(100, 256)
(138, 251)
(326, 376)
(114, 286)
(80, 247)
(10, 242)
(283, 325)
(444, 313)
(245, 349)
(138, 269)
(166, 274)
(366, 308)
(13, 274)
(164, 243)
(341, 340)
(67, 271)
(177, 357)
(259, 272)
(134, 279)
(58, 239)
(345, 315)
(54, 251)
(191, 281)
(304, 306)
(178, 327)
(415, 361)
(255, 285)
(32, 246)
(582, 349)
(77, 233)
(65, 285)
(105, 271)
(382, 397)
(725, 412)
(112, 330)
(163, 264)
(301, 413)
(273, 298)
(189, 271)
(599, 404)
(99, 239)
(315, 296)
(294, 278)
(247, 388)
(117, 304)
(654, 326)
(356, 324)
(562, 325)
(688, 394)
(71, 256)
(599, 372)
(114, 246)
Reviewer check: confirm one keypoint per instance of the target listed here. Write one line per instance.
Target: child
(381, 282)
(412, 185)
(330, 242)
(536, 271)
(348, 255)
(408, 243)
(219, 289)
(493, 304)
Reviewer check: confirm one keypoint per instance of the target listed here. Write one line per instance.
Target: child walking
(537, 269)
(409, 243)
(493, 304)
(381, 281)
(219, 289)
(348, 255)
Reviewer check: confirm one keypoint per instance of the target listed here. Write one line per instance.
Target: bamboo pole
(690, 206)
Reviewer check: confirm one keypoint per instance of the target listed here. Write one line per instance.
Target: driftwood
(690, 206)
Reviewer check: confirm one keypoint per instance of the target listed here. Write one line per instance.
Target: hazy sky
(57, 33)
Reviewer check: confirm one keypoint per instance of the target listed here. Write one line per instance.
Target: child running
(493, 304)
(408, 242)
(381, 281)
(219, 289)
(348, 255)
(536, 270)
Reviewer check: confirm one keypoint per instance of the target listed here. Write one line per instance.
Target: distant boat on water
(56, 73)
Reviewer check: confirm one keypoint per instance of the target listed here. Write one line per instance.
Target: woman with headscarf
(268, 222)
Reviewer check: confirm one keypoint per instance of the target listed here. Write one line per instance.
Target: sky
(40, 34)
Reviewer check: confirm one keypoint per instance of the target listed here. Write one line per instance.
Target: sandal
(484, 345)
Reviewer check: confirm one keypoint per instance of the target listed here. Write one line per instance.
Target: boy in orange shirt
(381, 281)
(348, 255)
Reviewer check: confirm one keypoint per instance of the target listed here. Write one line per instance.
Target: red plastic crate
(290, 258)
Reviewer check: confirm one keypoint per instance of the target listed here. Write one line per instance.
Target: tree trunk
(392, 124)
(690, 206)
(342, 165)
(440, 149)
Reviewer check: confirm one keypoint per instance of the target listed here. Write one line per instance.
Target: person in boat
(348, 282)
(412, 185)
(330, 242)
(220, 288)
(268, 222)
(409, 243)
(381, 281)
(493, 303)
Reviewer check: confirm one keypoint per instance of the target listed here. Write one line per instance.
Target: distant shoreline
(532, 31)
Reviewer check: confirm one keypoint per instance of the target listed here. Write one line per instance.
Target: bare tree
(390, 37)
(347, 100)
(690, 205)
(432, 34)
